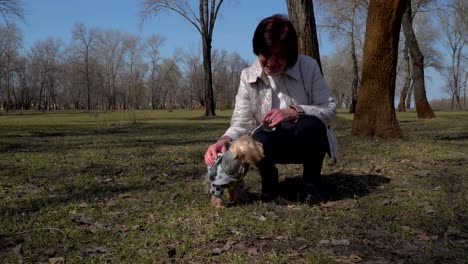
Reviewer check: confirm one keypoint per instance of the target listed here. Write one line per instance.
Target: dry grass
(125, 187)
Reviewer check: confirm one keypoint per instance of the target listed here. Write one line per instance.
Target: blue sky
(233, 30)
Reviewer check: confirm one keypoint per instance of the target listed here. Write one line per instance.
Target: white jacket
(305, 86)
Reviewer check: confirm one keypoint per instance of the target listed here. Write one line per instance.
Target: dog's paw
(217, 202)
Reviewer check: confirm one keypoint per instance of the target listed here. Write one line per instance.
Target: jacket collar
(255, 72)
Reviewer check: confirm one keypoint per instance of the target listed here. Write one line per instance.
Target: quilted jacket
(305, 87)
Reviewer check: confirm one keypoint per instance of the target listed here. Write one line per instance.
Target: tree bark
(423, 108)
(301, 14)
(406, 86)
(354, 87)
(375, 111)
(208, 18)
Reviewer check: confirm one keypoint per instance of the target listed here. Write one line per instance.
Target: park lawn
(127, 187)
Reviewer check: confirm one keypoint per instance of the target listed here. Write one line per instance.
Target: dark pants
(304, 142)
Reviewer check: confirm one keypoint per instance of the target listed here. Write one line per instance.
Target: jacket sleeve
(321, 103)
(242, 121)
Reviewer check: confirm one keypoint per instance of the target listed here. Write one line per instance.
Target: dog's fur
(250, 152)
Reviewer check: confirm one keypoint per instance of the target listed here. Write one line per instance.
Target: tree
(111, 50)
(339, 76)
(46, 59)
(11, 9)
(454, 24)
(85, 41)
(301, 14)
(344, 19)
(423, 108)
(375, 111)
(134, 71)
(426, 35)
(204, 23)
(407, 84)
(10, 44)
(194, 77)
(153, 43)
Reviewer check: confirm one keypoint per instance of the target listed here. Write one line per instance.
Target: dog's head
(247, 149)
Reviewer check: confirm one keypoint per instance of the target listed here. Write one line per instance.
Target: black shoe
(268, 196)
(312, 194)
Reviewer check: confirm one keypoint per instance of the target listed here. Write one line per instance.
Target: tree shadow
(335, 186)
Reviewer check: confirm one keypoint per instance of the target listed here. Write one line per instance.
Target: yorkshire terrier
(229, 169)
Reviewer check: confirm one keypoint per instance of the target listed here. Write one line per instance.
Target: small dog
(229, 169)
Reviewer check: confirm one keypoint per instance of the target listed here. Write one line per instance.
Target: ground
(127, 187)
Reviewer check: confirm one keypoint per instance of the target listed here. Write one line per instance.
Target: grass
(126, 187)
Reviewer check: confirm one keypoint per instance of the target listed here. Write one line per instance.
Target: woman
(287, 91)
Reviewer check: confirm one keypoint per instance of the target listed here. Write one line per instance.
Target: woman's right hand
(212, 153)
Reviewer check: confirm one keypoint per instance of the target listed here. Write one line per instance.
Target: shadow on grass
(72, 194)
(336, 186)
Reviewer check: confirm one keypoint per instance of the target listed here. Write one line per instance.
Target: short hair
(274, 30)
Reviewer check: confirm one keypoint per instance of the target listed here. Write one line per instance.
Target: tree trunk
(375, 110)
(88, 80)
(301, 14)
(209, 97)
(354, 87)
(423, 108)
(409, 96)
(406, 86)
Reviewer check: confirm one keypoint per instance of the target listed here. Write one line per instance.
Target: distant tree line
(108, 69)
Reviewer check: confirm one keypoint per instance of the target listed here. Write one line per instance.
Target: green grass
(127, 187)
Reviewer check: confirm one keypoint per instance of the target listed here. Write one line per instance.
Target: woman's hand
(276, 116)
(212, 153)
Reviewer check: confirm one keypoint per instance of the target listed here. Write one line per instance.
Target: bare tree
(344, 19)
(423, 108)
(46, 57)
(153, 44)
(86, 42)
(426, 35)
(194, 77)
(170, 83)
(301, 14)
(339, 76)
(204, 23)
(454, 25)
(10, 44)
(407, 84)
(135, 70)
(11, 9)
(375, 111)
(111, 50)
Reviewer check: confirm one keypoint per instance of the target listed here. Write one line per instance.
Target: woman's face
(274, 62)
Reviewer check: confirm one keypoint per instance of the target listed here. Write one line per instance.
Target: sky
(233, 31)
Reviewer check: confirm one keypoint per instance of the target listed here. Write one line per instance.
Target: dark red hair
(276, 30)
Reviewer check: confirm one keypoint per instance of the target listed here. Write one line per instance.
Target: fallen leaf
(324, 241)
(83, 220)
(348, 259)
(58, 260)
(386, 202)
(252, 251)
(341, 242)
(96, 249)
(117, 214)
(422, 173)
(429, 209)
(216, 251)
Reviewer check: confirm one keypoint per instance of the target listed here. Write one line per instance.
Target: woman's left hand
(276, 116)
